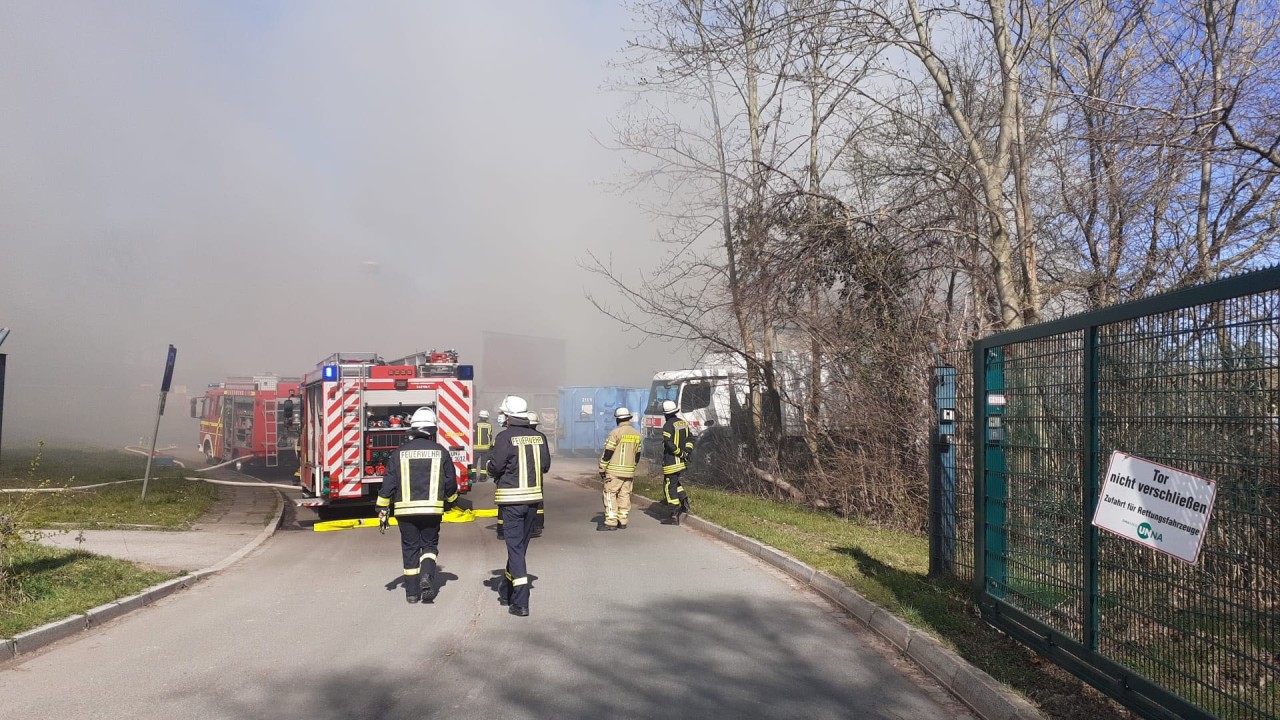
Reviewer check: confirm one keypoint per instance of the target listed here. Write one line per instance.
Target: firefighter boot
(413, 588)
(429, 590)
(504, 592)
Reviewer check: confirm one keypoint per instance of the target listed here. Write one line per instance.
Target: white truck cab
(707, 397)
(717, 395)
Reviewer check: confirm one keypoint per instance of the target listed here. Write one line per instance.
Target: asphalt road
(652, 622)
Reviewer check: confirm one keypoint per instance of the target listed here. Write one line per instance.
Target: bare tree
(856, 180)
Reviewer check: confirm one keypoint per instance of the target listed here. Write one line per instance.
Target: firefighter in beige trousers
(618, 469)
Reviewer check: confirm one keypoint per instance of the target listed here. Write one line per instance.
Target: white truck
(717, 395)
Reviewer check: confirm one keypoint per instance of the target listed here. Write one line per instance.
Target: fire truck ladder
(353, 443)
(270, 438)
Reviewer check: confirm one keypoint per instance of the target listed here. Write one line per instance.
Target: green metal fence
(1190, 380)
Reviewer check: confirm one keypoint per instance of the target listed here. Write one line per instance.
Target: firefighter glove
(384, 519)
(602, 474)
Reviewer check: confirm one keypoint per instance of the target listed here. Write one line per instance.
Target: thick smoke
(262, 188)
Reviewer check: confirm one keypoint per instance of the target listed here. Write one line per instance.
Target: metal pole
(1090, 487)
(979, 469)
(2, 362)
(164, 390)
(996, 483)
(942, 473)
(147, 475)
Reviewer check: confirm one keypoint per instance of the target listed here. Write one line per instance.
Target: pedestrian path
(237, 518)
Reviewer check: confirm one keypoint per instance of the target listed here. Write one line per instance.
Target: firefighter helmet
(484, 414)
(423, 417)
(532, 417)
(622, 414)
(668, 407)
(514, 406)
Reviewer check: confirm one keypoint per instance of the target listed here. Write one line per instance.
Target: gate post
(1089, 488)
(996, 490)
(942, 473)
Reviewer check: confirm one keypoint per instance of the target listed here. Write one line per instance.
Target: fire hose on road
(453, 515)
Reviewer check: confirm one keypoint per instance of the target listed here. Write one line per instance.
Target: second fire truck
(355, 413)
(254, 418)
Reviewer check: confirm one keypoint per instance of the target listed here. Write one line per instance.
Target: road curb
(984, 695)
(49, 633)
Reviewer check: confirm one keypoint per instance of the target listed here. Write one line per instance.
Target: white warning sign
(1155, 505)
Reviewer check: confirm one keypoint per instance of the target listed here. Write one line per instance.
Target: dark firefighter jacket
(519, 459)
(677, 445)
(420, 479)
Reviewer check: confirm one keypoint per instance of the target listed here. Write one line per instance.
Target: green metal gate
(1191, 380)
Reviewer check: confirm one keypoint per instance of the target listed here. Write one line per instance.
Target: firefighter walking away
(419, 482)
(519, 459)
(618, 470)
(677, 448)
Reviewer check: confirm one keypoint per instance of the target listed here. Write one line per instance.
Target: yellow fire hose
(452, 515)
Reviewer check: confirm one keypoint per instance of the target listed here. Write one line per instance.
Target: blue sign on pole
(168, 369)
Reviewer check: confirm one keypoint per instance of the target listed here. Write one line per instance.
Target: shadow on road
(442, 578)
(674, 659)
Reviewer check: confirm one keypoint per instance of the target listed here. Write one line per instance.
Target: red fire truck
(256, 418)
(355, 412)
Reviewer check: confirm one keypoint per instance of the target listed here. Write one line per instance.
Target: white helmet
(669, 407)
(622, 414)
(513, 406)
(484, 414)
(532, 417)
(424, 418)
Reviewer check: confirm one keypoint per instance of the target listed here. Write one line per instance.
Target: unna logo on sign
(1146, 533)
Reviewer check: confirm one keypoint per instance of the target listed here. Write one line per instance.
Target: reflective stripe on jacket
(519, 459)
(677, 443)
(621, 451)
(419, 480)
(484, 436)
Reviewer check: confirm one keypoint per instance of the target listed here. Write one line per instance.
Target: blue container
(586, 415)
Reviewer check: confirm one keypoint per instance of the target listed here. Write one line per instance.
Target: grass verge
(48, 584)
(891, 569)
(26, 466)
(172, 503)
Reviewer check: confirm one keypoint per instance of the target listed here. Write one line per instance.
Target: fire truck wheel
(208, 454)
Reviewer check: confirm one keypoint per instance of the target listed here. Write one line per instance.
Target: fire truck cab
(355, 413)
(256, 418)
